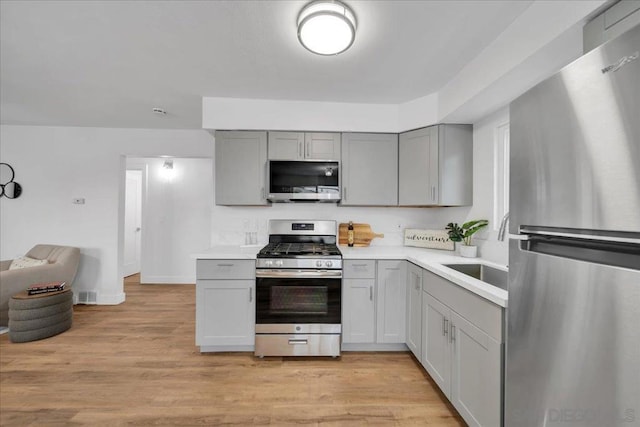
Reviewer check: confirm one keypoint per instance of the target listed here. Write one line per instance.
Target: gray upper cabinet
(369, 169)
(286, 145)
(240, 161)
(435, 166)
(304, 145)
(322, 146)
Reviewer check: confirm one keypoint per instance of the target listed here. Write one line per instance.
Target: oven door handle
(333, 274)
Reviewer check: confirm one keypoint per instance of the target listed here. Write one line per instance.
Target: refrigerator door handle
(622, 252)
(601, 238)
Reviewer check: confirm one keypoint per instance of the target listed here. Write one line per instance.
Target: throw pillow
(25, 262)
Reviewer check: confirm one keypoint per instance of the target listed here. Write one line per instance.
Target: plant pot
(468, 251)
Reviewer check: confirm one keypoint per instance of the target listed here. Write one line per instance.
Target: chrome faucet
(503, 227)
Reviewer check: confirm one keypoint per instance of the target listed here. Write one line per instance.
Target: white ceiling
(107, 63)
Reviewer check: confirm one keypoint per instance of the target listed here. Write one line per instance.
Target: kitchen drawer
(359, 269)
(225, 269)
(297, 345)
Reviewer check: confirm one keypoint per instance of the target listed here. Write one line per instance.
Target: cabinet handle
(359, 265)
(453, 332)
(433, 193)
(300, 155)
(417, 285)
(306, 150)
(445, 326)
(298, 342)
(225, 265)
(370, 293)
(344, 193)
(250, 294)
(264, 195)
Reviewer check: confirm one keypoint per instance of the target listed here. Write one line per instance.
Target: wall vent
(87, 297)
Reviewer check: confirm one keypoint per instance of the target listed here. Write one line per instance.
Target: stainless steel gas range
(298, 290)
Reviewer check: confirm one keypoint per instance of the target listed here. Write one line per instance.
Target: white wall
(484, 138)
(230, 223)
(55, 165)
(270, 114)
(176, 219)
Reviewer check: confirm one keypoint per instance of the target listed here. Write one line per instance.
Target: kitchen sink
(490, 275)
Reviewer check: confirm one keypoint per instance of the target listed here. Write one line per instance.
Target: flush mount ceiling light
(326, 27)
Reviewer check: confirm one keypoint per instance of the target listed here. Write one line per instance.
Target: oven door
(308, 299)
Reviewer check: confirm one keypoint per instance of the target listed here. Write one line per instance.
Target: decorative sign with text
(432, 239)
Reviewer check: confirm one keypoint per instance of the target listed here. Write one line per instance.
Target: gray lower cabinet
(462, 349)
(392, 302)
(435, 166)
(358, 301)
(414, 309)
(369, 169)
(225, 305)
(374, 302)
(240, 167)
(304, 145)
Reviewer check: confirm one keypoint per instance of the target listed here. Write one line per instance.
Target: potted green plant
(464, 233)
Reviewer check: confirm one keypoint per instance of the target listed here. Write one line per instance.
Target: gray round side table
(34, 317)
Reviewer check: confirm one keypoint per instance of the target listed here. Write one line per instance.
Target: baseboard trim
(168, 280)
(111, 299)
(226, 348)
(374, 347)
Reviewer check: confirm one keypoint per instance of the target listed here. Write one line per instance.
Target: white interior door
(132, 222)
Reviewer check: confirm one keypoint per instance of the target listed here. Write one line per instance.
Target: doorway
(132, 222)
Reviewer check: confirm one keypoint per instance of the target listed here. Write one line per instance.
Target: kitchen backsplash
(230, 223)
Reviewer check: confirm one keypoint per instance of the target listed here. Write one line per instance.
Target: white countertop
(429, 259)
(229, 252)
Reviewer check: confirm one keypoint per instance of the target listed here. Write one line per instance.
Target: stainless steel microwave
(305, 181)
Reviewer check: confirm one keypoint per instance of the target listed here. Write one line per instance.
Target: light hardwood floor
(137, 364)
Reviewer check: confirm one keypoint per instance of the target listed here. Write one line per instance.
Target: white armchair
(62, 265)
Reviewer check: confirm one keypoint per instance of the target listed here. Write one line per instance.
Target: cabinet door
(454, 182)
(322, 146)
(418, 167)
(436, 351)
(414, 309)
(392, 302)
(369, 169)
(286, 146)
(358, 310)
(225, 312)
(241, 159)
(475, 382)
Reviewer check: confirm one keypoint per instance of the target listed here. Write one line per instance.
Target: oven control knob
(268, 263)
(328, 263)
(318, 263)
(279, 263)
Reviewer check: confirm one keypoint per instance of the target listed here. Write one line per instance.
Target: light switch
(78, 201)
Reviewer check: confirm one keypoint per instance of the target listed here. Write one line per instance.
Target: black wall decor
(8, 187)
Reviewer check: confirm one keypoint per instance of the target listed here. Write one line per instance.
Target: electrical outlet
(78, 201)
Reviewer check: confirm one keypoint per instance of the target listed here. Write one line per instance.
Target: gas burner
(301, 244)
(299, 250)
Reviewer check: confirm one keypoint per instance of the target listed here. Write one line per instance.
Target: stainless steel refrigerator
(573, 317)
